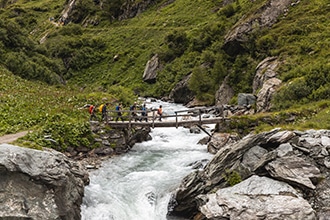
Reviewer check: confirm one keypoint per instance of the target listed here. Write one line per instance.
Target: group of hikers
(119, 112)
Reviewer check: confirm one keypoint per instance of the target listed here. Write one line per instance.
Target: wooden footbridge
(187, 117)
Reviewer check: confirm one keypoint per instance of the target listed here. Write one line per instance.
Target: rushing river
(138, 185)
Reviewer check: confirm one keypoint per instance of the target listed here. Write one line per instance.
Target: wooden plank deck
(164, 123)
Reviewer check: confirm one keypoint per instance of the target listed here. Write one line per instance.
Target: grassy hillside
(67, 66)
(188, 35)
(48, 111)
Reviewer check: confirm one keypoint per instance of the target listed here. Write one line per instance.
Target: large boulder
(266, 83)
(224, 94)
(245, 99)
(181, 93)
(297, 161)
(266, 94)
(256, 198)
(39, 184)
(265, 70)
(150, 71)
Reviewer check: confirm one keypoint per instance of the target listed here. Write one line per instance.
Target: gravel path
(11, 137)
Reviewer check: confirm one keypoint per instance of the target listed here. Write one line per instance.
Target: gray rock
(39, 184)
(218, 140)
(262, 18)
(245, 99)
(281, 137)
(181, 92)
(265, 70)
(227, 158)
(284, 149)
(294, 170)
(224, 93)
(322, 199)
(150, 71)
(195, 130)
(253, 157)
(266, 93)
(257, 198)
(296, 159)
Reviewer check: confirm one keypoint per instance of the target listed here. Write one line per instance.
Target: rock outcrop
(280, 175)
(150, 71)
(131, 9)
(266, 69)
(65, 15)
(266, 83)
(39, 184)
(108, 142)
(266, 94)
(266, 16)
(224, 93)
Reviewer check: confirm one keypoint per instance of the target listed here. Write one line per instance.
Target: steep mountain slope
(94, 49)
(104, 46)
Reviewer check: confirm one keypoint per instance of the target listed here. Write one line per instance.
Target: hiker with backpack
(91, 111)
(103, 110)
(160, 112)
(119, 114)
(144, 113)
(133, 111)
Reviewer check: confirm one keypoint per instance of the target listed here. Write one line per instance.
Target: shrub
(124, 94)
(323, 92)
(71, 30)
(232, 177)
(265, 43)
(318, 75)
(177, 42)
(295, 91)
(227, 11)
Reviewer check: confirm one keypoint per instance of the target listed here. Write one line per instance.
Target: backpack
(91, 109)
(101, 107)
(117, 108)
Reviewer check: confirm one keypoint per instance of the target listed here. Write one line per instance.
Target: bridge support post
(176, 120)
(153, 119)
(129, 119)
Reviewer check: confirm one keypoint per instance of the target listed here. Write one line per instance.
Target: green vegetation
(53, 113)
(232, 177)
(67, 66)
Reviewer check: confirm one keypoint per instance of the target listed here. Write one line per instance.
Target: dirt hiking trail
(6, 139)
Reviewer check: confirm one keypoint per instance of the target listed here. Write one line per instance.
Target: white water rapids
(138, 185)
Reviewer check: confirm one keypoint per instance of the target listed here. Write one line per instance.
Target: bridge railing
(151, 115)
